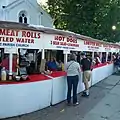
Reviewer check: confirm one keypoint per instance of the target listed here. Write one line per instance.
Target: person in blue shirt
(52, 65)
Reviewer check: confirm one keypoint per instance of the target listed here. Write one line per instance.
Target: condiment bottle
(3, 74)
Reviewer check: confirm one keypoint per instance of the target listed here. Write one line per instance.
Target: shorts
(86, 76)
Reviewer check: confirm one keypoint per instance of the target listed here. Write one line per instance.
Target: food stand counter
(17, 98)
(41, 91)
(101, 72)
(59, 81)
(59, 86)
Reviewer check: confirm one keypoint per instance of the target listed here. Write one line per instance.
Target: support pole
(10, 66)
(65, 58)
(101, 56)
(43, 54)
(93, 55)
(17, 62)
(106, 56)
(111, 56)
(34, 56)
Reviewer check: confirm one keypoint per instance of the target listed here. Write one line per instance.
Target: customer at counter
(117, 63)
(113, 57)
(86, 65)
(73, 69)
(97, 60)
(78, 57)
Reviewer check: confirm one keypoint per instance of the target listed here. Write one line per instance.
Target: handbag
(70, 65)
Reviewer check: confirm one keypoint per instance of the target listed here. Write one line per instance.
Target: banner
(10, 38)
(60, 42)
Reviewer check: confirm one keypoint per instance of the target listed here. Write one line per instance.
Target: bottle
(3, 74)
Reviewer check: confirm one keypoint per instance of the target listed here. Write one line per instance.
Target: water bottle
(3, 74)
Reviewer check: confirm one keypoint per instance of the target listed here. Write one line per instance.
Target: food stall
(20, 96)
(41, 90)
(67, 41)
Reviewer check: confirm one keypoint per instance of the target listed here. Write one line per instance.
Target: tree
(93, 18)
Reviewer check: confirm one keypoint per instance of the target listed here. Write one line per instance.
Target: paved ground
(103, 104)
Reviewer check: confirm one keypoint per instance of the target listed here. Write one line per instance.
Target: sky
(42, 1)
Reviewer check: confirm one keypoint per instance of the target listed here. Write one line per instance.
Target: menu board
(11, 38)
(59, 42)
(26, 39)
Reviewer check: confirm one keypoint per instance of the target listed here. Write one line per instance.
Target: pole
(100, 56)
(93, 55)
(17, 62)
(43, 54)
(65, 58)
(34, 56)
(106, 56)
(10, 66)
(111, 56)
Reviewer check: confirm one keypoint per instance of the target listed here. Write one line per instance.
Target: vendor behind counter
(53, 65)
(60, 66)
(5, 63)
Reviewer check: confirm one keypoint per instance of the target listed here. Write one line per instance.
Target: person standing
(86, 64)
(73, 69)
(117, 63)
(78, 57)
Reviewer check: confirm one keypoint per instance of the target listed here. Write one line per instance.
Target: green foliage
(93, 18)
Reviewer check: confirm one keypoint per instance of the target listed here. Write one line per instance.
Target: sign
(97, 46)
(92, 46)
(10, 38)
(65, 41)
(66, 52)
(26, 39)
(9, 50)
(60, 42)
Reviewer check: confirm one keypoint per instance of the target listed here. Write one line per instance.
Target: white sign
(59, 42)
(66, 52)
(10, 50)
(10, 38)
(26, 39)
